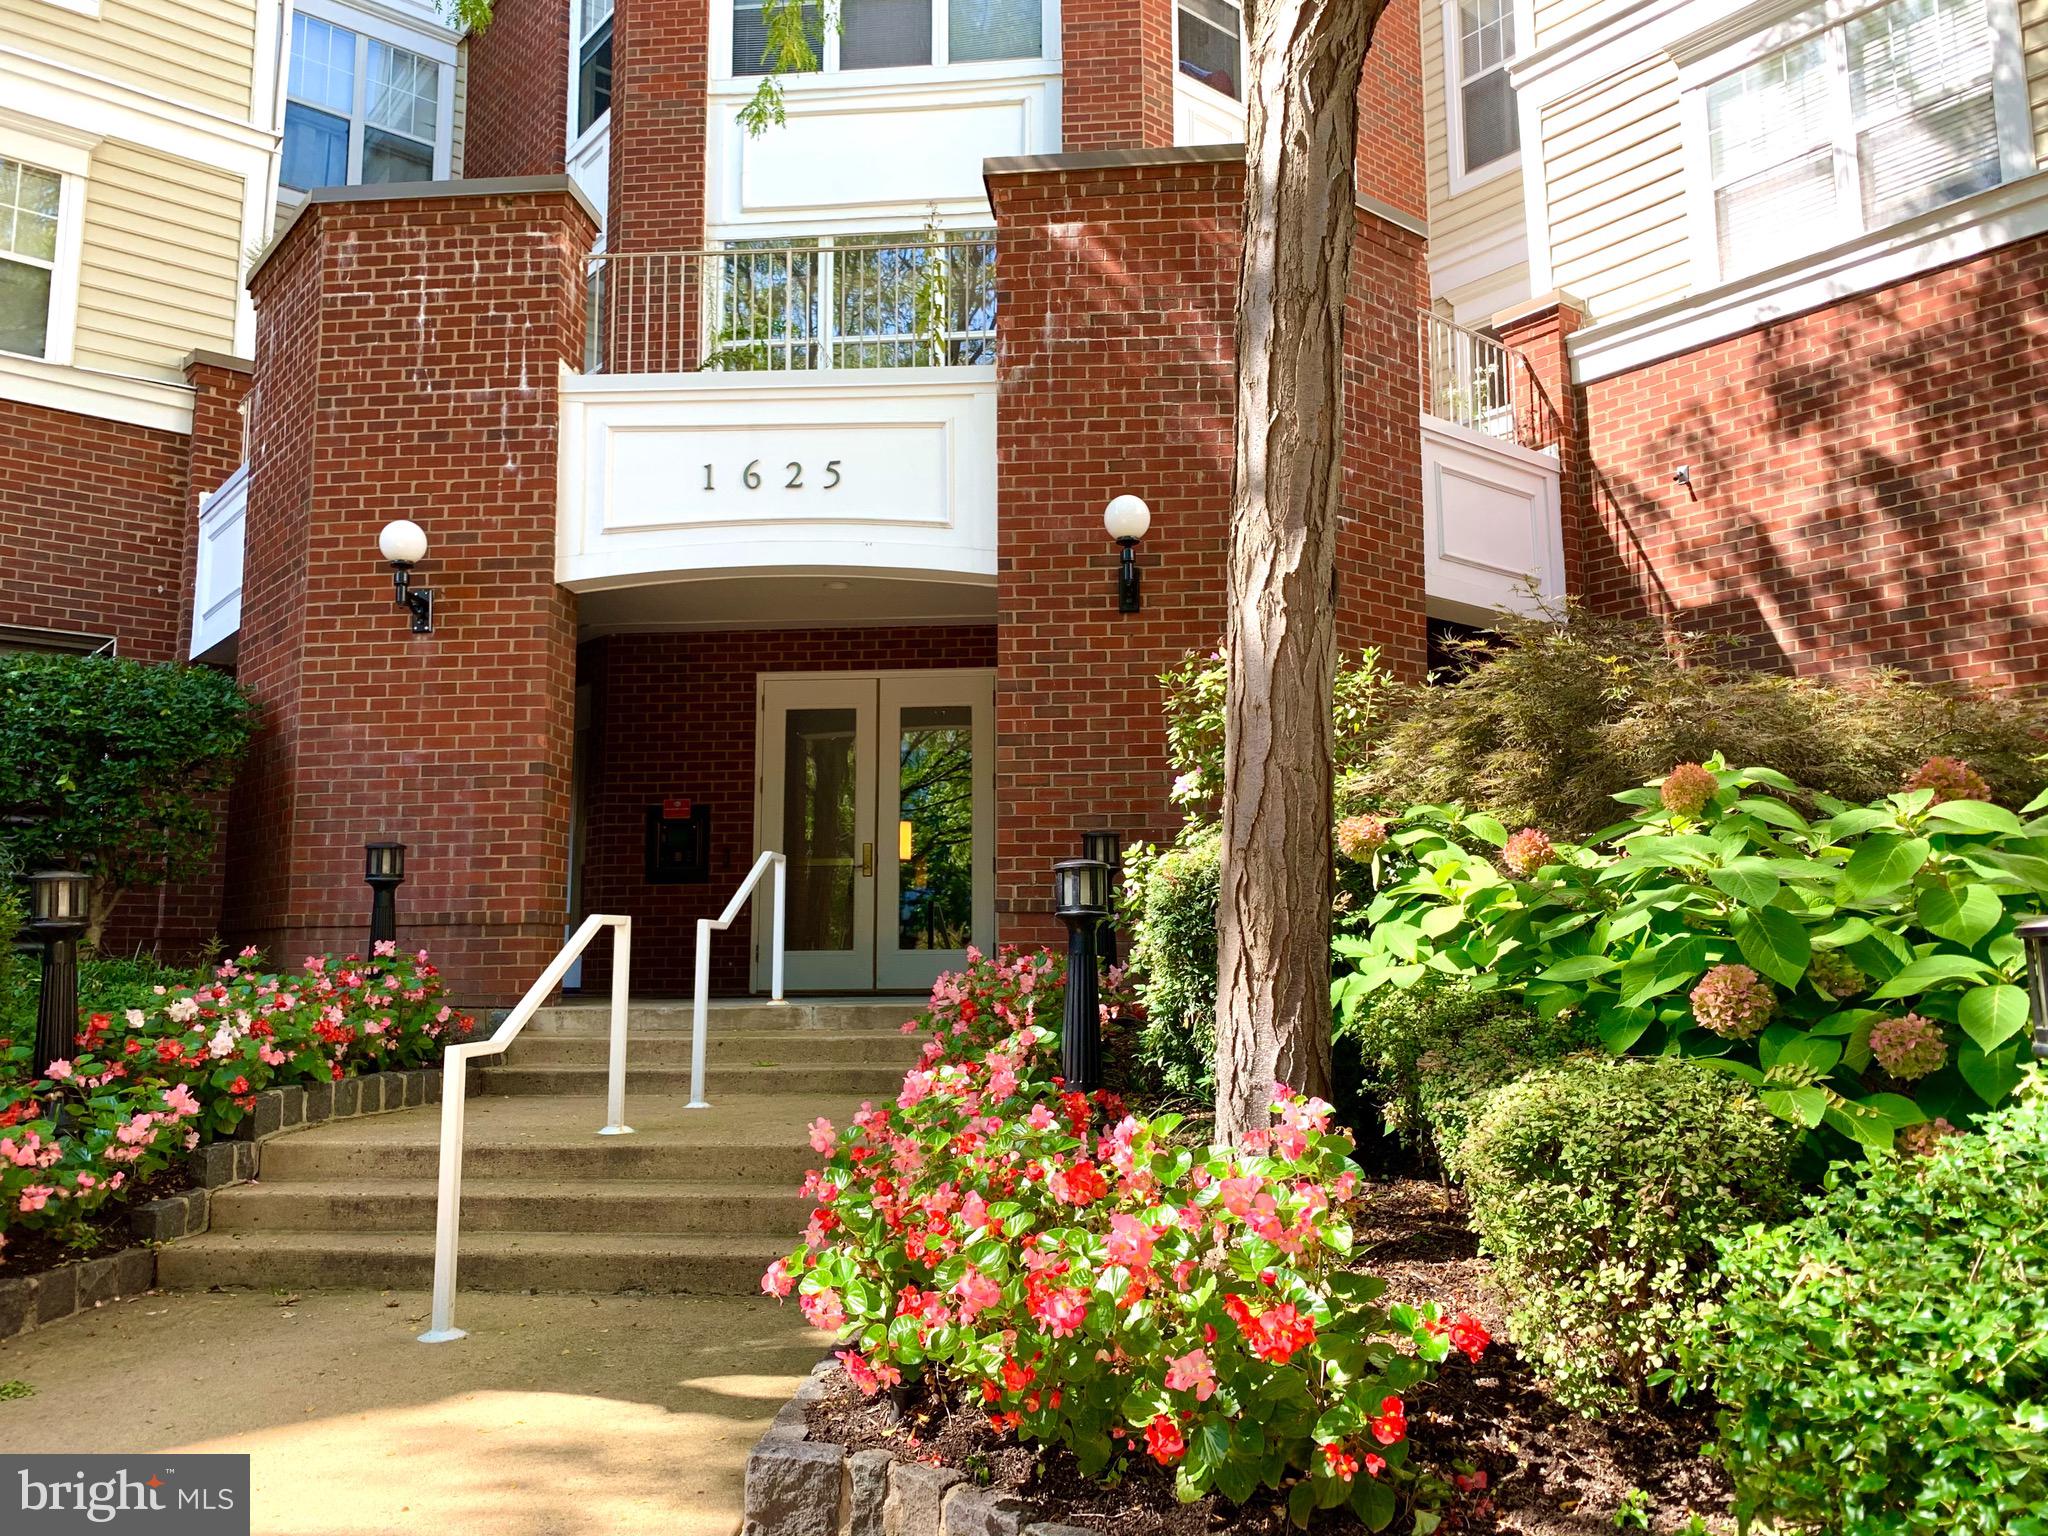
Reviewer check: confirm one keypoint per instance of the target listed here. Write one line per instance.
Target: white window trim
(829, 74)
(1462, 180)
(602, 123)
(2008, 95)
(439, 50)
(1244, 59)
(68, 155)
(82, 7)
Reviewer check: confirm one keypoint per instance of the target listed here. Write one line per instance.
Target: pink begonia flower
(383, 949)
(35, 1197)
(136, 1018)
(778, 1281)
(1192, 1373)
(977, 1293)
(823, 1139)
(1040, 1118)
(822, 1310)
(58, 1071)
(191, 1140)
(1130, 1241)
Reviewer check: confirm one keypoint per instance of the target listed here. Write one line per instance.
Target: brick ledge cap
(202, 357)
(1529, 309)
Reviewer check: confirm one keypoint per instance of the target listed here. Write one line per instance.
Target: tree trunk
(1273, 988)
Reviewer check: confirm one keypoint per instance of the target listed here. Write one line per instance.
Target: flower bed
(1104, 1287)
(149, 1084)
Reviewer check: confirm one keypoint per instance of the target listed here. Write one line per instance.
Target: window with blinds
(1888, 115)
(1488, 130)
(894, 34)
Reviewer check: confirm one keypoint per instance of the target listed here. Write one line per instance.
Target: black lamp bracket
(418, 600)
(1128, 595)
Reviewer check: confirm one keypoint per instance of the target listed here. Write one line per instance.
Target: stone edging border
(35, 1301)
(802, 1487)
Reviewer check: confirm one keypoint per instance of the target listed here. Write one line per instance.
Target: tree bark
(1273, 986)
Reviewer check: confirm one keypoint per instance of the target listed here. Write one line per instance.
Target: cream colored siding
(161, 261)
(2034, 41)
(1484, 215)
(459, 118)
(1615, 191)
(197, 52)
(1555, 18)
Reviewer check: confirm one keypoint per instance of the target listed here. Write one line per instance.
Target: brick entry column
(1116, 74)
(408, 350)
(1117, 278)
(1552, 411)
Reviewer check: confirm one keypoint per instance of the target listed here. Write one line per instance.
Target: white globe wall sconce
(1127, 520)
(404, 544)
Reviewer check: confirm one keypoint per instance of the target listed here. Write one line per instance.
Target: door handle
(867, 861)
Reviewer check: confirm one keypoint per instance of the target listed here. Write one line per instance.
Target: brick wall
(1867, 481)
(1116, 74)
(1118, 296)
(675, 715)
(456, 743)
(518, 106)
(659, 115)
(95, 516)
(1390, 164)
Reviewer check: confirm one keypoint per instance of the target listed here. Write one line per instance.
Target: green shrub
(1860, 970)
(1173, 952)
(1570, 707)
(1885, 1357)
(1433, 1054)
(1598, 1189)
(119, 763)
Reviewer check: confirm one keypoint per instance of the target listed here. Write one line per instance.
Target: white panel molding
(875, 150)
(217, 572)
(1491, 524)
(1204, 116)
(888, 472)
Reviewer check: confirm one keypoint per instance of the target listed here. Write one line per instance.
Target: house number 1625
(750, 477)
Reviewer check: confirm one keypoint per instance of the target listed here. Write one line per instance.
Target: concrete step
(761, 1141)
(815, 1082)
(594, 1018)
(755, 1047)
(643, 1207)
(489, 1261)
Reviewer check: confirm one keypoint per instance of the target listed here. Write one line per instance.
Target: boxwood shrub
(1885, 1357)
(1173, 951)
(1598, 1189)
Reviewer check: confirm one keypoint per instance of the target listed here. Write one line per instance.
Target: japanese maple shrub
(1884, 1359)
(1104, 1286)
(1859, 968)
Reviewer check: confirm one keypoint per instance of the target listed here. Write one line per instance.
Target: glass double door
(880, 789)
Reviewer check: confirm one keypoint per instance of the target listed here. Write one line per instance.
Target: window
(593, 62)
(358, 109)
(1487, 130)
(1210, 48)
(896, 34)
(1887, 115)
(29, 200)
(55, 642)
(994, 29)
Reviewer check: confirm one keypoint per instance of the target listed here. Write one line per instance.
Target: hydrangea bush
(149, 1083)
(1098, 1283)
(1859, 969)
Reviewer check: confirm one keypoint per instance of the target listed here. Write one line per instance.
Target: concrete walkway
(558, 1416)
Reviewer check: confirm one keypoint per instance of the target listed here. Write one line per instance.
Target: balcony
(1492, 534)
(787, 409)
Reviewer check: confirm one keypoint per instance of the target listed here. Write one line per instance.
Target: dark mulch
(1548, 1472)
(104, 1231)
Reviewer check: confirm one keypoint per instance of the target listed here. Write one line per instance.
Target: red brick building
(762, 476)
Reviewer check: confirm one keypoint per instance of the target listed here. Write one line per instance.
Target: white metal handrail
(701, 1002)
(455, 1100)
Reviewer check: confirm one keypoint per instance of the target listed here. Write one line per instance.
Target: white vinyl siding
(1475, 219)
(161, 263)
(195, 52)
(2034, 42)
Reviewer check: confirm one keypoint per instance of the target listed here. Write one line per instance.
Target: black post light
(1080, 891)
(1127, 520)
(59, 901)
(384, 869)
(1106, 846)
(404, 544)
(2034, 933)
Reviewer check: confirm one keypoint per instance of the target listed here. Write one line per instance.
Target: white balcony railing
(1474, 381)
(217, 572)
(854, 302)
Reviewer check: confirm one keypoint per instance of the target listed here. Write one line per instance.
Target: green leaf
(1802, 1106)
(1881, 864)
(1579, 968)
(1930, 971)
(1749, 880)
(1960, 916)
(1486, 829)
(1621, 1028)
(1775, 942)
(1776, 812)
(1992, 1075)
(1974, 816)
(1992, 1015)
(1671, 965)
(1301, 1503)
